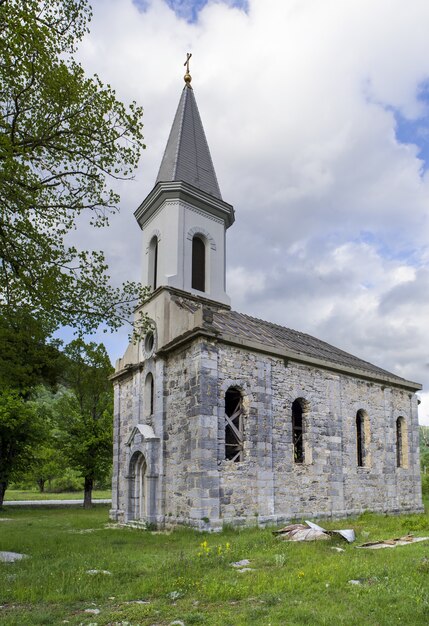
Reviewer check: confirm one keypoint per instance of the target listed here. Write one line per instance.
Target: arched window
(149, 395)
(401, 443)
(153, 263)
(198, 264)
(298, 430)
(362, 438)
(234, 430)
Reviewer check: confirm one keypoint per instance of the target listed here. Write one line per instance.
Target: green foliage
(48, 464)
(424, 448)
(70, 430)
(47, 460)
(21, 430)
(414, 523)
(70, 480)
(27, 359)
(425, 484)
(86, 408)
(62, 135)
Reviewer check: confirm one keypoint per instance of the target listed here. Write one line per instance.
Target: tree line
(56, 407)
(64, 137)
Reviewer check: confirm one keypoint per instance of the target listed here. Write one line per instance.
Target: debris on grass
(373, 580)
(175, 595)
(11, 557)
(392, 543)
(92, 611)
(300, 532)
(241, 566)
(94, 572)
(242, 563)
(138, 602)
(309, 531)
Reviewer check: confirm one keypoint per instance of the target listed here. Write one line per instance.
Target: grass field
(14, 494)
(157, 578)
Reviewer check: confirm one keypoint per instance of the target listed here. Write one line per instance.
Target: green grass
(180, 579)
(15, 494)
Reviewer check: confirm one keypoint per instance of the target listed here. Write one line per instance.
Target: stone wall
(181, 393)
(329, 481)
(126, 397)
(196, 485)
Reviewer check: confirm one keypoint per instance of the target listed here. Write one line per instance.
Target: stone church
(223, 418)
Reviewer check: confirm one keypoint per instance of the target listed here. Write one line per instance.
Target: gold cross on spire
(187, 76)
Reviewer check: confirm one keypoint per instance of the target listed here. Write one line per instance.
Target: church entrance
(137, 487)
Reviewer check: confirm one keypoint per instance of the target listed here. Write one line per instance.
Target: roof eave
(179, 190)
(290, 355)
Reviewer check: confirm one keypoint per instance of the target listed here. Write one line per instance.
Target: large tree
(86, 429)
(62, 136)
(22, 428)
(48, 462)
(27, 363)
(27, 358)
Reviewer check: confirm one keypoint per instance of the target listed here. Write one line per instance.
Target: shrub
(71, 480)
(425, 484)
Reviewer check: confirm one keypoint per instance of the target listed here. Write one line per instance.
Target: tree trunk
(87, 495)
(3, 487)
(41, 484)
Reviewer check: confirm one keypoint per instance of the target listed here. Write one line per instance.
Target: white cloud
(297, 101)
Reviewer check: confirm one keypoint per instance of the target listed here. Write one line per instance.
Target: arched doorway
(137, 487)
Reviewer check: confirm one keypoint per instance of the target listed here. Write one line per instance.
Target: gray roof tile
(248, 328)
(187, 155)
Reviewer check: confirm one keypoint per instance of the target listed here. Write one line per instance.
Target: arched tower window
(149, 395)
(298, 406)
(153, 263)
(362, 438)
(198, 263)
(401, 443)
(234, 431)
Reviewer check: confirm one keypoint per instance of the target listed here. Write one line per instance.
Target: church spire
(184, 219)
(187, 155)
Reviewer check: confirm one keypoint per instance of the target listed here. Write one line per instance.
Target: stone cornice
(178, 190)
(174, 291)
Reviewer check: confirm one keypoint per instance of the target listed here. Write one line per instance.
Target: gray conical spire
(187, 155)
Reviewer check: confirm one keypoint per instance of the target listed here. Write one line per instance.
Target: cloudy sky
(316, 113)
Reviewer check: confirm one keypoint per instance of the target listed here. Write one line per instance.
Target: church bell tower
(184, 219)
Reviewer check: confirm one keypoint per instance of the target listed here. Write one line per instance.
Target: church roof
(240, 328)
(187, 155)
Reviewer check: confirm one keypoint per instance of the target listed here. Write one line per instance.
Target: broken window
(298, 430)
(362, 438)
(233, 425)
(401, 443)
(198, 264)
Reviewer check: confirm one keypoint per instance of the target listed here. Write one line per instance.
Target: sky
(316, 114)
